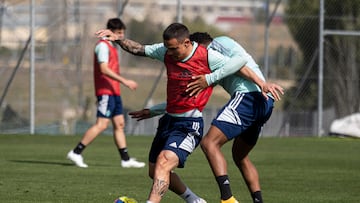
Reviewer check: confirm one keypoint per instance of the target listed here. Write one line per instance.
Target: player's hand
(131, 84)
(106, 33)
(140, 115)
(274, 89)
(197, 86)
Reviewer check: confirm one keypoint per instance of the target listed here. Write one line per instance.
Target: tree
(342, 54)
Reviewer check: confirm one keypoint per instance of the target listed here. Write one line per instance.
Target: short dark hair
(201, 37)
(115, 24)
(177, 31)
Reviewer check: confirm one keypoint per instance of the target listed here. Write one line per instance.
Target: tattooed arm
(128, 45)
(132, 47)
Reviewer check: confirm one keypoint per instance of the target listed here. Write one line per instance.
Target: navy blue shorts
(109, 106)
(178, 134)
(244, 115)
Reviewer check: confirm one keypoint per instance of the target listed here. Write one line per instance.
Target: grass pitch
(304, 170)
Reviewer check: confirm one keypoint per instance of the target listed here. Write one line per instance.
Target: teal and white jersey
(102, 52)
(233, 83)
(219, 64)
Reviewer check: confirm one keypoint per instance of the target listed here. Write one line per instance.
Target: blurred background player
(107, 81)
(240, 119)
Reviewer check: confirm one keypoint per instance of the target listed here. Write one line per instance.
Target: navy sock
(79, 148)
(124, 154)
(224, 186)
(257, 197)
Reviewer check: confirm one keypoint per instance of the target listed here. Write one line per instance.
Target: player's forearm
(233, 65)
(157, 109)
(132, 47)
(121, 79)
(250, 75)
(111, 74)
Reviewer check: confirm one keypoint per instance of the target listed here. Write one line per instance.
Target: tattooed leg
(166, 161)
(158, 189)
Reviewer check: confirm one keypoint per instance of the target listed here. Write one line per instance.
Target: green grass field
(306, 170)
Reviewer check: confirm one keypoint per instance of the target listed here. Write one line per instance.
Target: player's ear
(187, 42)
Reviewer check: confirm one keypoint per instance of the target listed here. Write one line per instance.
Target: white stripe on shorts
(188, 144)
(229, 114)
(103, 104)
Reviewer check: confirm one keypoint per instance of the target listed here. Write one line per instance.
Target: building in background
(221, 13)
(70, 14)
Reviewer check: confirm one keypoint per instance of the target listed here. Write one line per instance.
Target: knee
(166, 161)
(102, 126)
(204, 146)
(207, 145)
(120, 125)
(241, 162)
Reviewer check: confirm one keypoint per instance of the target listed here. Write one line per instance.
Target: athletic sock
(224, 186)
(79, 148)
(257, 197)
(124, 154)
(189, 196)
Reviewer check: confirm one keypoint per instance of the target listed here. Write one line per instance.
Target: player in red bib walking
(107, 80)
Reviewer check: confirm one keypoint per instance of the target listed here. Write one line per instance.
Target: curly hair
(201, 37)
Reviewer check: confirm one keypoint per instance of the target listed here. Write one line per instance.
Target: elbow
(102, 71)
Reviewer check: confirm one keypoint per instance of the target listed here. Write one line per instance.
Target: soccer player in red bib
(107, 81)
(181, 127)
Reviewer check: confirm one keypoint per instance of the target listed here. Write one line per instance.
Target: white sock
(189, 196)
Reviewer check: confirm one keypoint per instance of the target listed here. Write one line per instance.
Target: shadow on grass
(41, 162)
(52, 163)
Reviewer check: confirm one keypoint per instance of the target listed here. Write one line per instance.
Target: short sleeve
(156, 51)
(102, 52)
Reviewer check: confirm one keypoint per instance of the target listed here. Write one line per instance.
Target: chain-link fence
(283, 37)
(328, 88)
